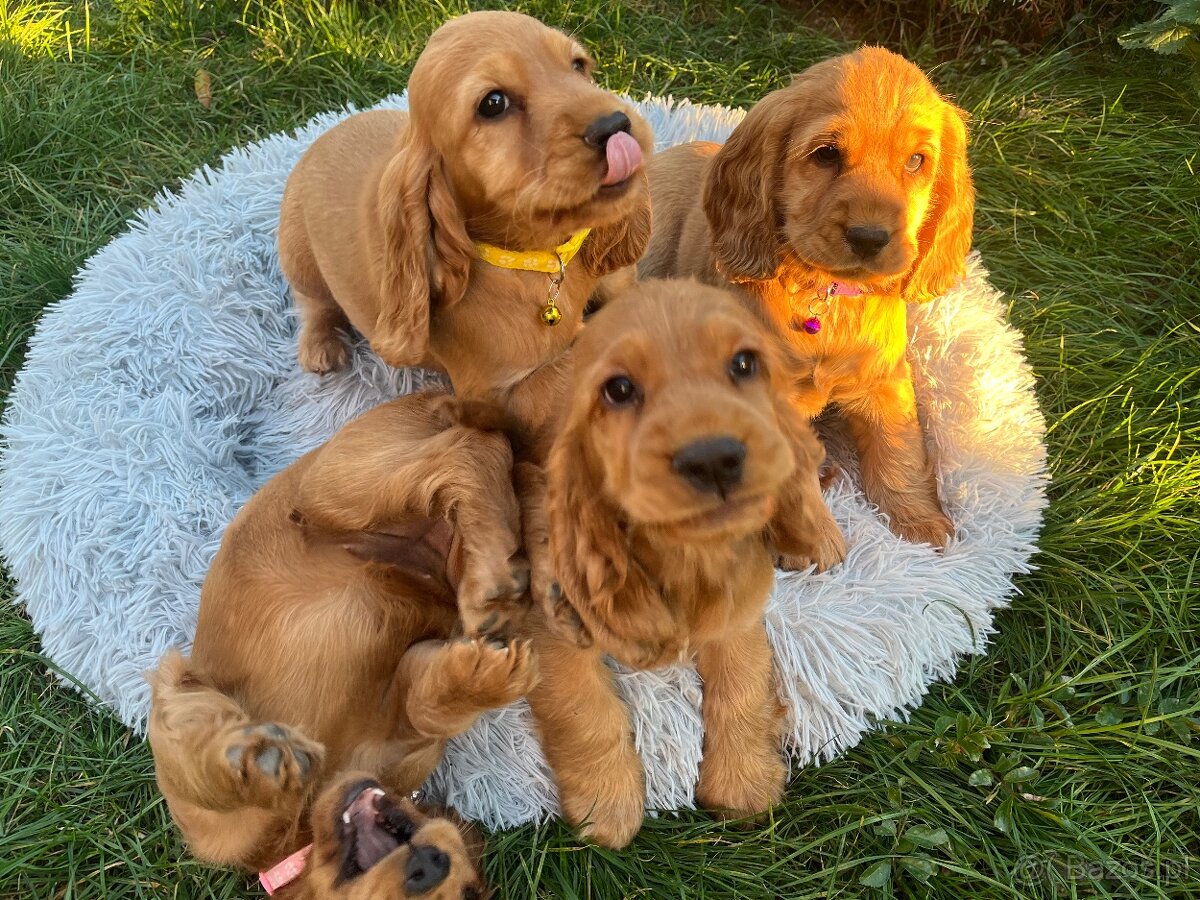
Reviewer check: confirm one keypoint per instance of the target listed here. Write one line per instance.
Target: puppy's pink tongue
(624, 157)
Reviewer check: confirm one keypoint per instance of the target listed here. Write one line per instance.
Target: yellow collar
(552, 262)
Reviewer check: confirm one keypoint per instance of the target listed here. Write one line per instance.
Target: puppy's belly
(320, 661)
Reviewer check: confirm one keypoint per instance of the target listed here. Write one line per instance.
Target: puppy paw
(270, 762)
(609, 812)
(488, 671)
(322, 352)
(934, 530)
(493, 597)
(827, 551)
(742, 786)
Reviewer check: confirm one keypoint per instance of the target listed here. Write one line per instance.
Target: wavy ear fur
(803, 530)
(945, 236)
(621, 244)
(427, 253)
(614, 596)
(739, 192)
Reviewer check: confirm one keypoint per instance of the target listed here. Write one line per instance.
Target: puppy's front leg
(209, 752)
(438, 691)
(588, 740)
(897, 473)
(742, 771)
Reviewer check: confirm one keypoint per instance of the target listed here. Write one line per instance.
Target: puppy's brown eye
(493, 104)
(914, 163)
(743, 366)
(579, 65)
(619, 391)
(827, 155)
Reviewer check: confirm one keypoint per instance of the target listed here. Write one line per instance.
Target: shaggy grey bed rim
(164, 390)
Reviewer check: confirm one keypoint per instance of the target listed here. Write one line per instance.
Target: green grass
(1062, 764)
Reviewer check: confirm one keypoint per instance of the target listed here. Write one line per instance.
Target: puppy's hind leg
(438, 691)
(234, 786)
(450, 683)
(476, 489)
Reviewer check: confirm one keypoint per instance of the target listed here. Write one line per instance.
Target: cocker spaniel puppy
(676, 450)
(467, 234)
(326, 644)
(837, 201)
(369, 843)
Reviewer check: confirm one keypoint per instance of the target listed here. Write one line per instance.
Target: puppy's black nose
(867, 240)
(427, 867)
(598, 133)
(712, 465)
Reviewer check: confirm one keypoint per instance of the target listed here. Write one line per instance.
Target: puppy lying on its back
(456, 236)
(324, 646)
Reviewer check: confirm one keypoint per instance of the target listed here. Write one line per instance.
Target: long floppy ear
(613, 595)
(803, 530)
(621, 244)
(739, 192)
(402, 546)
(945, 236)
(587, 543)
(427, 253)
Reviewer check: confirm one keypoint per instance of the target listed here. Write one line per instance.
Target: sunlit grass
(45, 29)
(1063, 761)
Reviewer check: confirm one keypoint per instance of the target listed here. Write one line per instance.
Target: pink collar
(838, 289)
(284, 872)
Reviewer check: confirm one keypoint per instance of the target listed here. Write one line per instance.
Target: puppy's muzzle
(712, 465)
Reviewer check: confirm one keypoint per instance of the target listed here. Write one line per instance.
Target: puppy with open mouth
(467, 234)
(329, 641)
(369, 843)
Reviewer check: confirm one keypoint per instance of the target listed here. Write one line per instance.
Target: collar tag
(284, 872)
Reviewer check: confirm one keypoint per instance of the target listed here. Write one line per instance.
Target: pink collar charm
(820, 305)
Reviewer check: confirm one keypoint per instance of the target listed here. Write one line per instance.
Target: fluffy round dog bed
(164, 390)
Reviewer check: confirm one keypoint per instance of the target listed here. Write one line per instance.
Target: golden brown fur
(323, 642)
(658, 515)
(379, 215)
(773, 219)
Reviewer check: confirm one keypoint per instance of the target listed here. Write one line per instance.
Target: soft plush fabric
(164, 390)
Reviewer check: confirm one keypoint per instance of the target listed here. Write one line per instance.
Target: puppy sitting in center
(677, 455)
